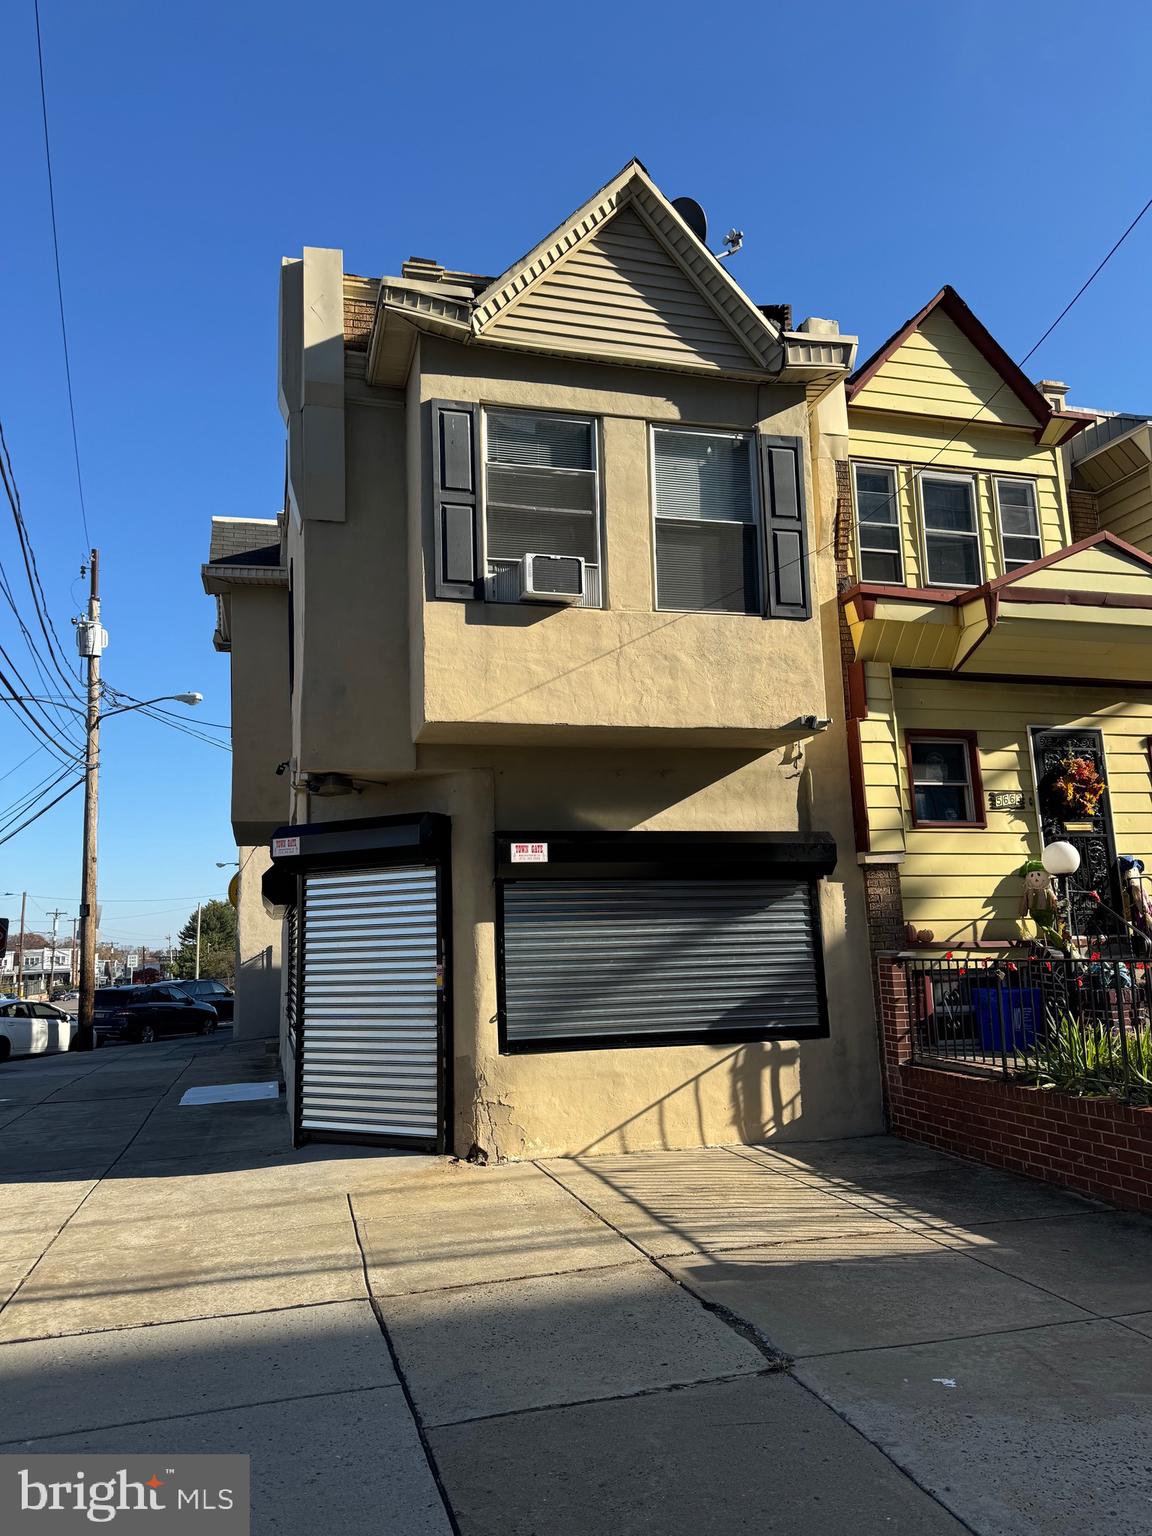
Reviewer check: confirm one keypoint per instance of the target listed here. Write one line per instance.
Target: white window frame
(997, 481)
(598, 492)
(974, 807)
(894, 471)
(956, 478)
(751, 438)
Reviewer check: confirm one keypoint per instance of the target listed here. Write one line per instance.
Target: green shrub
(1085, 1056)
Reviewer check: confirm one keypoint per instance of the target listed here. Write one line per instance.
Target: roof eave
(219, 578)
(985, 343)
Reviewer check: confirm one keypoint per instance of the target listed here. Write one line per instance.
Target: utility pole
(20, 956)
(197, 941)
(72, 957)
(91, 639)
(51, 966)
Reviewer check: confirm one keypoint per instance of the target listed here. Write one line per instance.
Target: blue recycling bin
(1008, 1018)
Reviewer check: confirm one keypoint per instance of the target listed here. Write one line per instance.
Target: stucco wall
(257, 953)
(261, 710)
(502, 671)
(565, 1102)
(352, 606)
(486, 689)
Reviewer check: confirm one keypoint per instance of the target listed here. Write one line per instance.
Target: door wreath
(1075, 788)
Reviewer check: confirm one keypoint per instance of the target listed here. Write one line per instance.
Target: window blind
(707, 534)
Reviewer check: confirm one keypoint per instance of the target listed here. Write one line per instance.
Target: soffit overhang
(1034, 622)
(1116, 460)
(218, 578)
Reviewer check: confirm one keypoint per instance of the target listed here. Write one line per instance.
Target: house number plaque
(1006, 800)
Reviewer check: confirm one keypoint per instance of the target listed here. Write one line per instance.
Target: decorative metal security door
(1088, 828)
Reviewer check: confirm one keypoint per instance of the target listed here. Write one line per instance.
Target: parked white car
(33, 1029)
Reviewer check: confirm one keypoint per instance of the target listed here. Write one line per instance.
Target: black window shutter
(785, 527)
(456, 502)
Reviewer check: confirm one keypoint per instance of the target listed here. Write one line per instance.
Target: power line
(47, 681)
(187, 730)
(67, 727)
(171, 714)
(1079, 294)
(32, 570)
(59, 749)
(59, 280)
(43, 811)
(35, 751)
(26, 801)
(165, 717)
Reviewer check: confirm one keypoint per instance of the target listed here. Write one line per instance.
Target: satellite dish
(693, 215)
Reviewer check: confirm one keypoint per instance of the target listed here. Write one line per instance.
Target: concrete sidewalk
(845, 1337)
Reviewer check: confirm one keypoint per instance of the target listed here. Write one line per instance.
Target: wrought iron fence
(1081, 1025)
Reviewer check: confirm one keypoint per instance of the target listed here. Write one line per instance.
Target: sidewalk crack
(402, 1379)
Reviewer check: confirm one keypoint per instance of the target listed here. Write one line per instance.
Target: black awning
(684, 855)
(345, 844)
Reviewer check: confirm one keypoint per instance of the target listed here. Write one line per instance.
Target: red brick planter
(1096, 1146)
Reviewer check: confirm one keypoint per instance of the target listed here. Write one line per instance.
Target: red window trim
(972, 747)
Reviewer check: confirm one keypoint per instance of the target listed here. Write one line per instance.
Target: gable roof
(949, 302)
(1125, 555)
(759, 338)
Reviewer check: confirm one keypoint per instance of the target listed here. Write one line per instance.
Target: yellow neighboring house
(996, 639)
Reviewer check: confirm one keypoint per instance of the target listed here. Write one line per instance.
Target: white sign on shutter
(285, 847)
(529, 853)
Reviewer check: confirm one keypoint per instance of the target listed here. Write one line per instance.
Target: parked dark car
(143, 1014)
(222, 998)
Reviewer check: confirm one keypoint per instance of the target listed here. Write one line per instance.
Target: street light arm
(177, 698)
(105, 714)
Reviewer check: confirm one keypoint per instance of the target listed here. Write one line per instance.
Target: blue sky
(870, 154)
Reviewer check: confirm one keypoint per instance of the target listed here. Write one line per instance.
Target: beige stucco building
(538, 703)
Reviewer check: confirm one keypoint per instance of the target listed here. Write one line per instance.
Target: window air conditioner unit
(551, 579)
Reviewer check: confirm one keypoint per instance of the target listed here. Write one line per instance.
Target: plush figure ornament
(1137, 907)
(1039, 904)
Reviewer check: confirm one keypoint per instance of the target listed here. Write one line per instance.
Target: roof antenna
(733, 241)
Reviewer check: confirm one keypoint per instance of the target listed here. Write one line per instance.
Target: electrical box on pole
(91, 638)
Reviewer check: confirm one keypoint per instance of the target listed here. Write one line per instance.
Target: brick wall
(1083, 514)
(842, 545)
(883, 906)
(1096, 1146)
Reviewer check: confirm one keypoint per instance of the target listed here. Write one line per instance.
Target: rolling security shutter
(785, 527)
(369, 1003)
(454, 482)
(604, 958)
(291, 971)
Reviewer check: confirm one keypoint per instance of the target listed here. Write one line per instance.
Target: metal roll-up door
(291, 932)
(613, 958)
(369, 1004)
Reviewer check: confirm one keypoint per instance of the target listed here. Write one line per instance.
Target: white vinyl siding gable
(621, 294)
